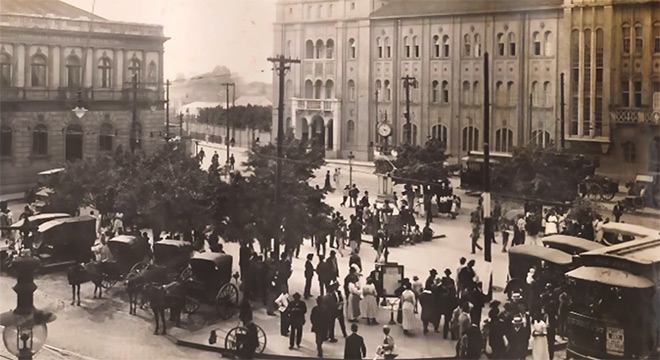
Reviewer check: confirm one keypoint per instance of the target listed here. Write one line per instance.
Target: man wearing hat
(431, 279)
(330, 304)
(518, 337)
(296, 311)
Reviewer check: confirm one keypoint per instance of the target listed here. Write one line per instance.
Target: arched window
(330, 49)
(467, 48)
(512, 44)
(470, 138)
(435, 91)
(351, 90)
(309, 49)
(319, 13)
(445, 46)
(625, 32)
(320, 49)
(465, 99)
(152, 76)
(388, 48)
(378, 90)
(536, 43)
(5, 141)
(625, 93)
(536, 101)
(639, 39)
(329, 89)
(350, 131)
(388, 91)
(352, 49)
(415, 40)
(309, 12)
(288, 89)
(73, 71)
(511, 93)
(629, 152)
(445, 92)
(288, 48)
(73, 143)
(406, 47)
(637, 96)
(40, 140)
(504, 140)
(656, 38)
(476, 93)
(318, 87)
(5, 69)
(477, 45)
(500, 97)
(309, 89)
(436, 46)
(330, 10)
(547, 41)
(105, 137)
(379, 48)
(541, 138)
(39, 70)
(500, 44)
(548, 98)
(135, 68)
(105, 72)
(439, 131)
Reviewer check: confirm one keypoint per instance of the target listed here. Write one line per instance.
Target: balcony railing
(314, 104)
(635, 116)
(71, 94)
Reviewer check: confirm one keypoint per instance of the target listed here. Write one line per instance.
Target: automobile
(616, 233)
(570, 244)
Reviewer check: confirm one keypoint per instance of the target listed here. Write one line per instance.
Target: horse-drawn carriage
(65, 239)
(174, 256)
(599, 187)
(209, 281)
(131, 255)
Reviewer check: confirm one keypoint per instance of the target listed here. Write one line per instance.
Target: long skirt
(408, 317)
(370, 306)
(353, 308)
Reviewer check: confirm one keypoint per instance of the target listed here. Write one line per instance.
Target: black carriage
(131, 255)
(39, 219)
(599, 187)
(174, 255)
(210, 282)
(66, 239)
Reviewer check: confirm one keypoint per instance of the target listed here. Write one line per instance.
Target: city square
(352, 191)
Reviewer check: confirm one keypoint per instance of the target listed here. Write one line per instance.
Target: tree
(541, 174)
(241, 117)
(422, 164)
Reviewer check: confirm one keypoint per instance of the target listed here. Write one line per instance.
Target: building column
(20, 55)
(26, 62)
(580, 103)
(118, 67)
(608, 56)
(336, 126)
(592, 78)
(56, 63)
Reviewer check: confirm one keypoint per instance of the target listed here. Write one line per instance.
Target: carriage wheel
(191, 305)
(232, 341)
(137, 269)
(594, 191)
(186, 274)
(107, 282)
(226, 302)
(607, 196)
(261, 335)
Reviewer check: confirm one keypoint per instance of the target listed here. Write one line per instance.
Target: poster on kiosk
(392, 276)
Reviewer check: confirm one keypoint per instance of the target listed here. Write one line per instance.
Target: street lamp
(79, 110)
(350, 168)
(25, 329)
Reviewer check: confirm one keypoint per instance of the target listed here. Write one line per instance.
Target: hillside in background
(208, 88)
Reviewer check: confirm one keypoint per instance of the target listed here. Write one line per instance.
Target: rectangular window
(512, 49)
(445, 51)
(638, 93)
(38, 75)
(625, 94)
(500, 49)
(639, 40)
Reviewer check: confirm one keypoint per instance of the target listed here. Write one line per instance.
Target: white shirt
(282, 302)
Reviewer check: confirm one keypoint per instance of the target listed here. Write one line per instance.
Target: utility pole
(134, 138)
(488, 221)
(227, 85)
(563, 113)
(531, 106)
(167, 109)
(181, 125)
(409, 81)
(377, 117)
(350, 168)
(282, 66)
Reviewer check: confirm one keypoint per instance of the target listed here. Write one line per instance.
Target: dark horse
(162, 297)
(81, 273)
(136, 283)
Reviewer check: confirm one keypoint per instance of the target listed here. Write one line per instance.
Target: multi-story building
(55, 57)
(355, 53)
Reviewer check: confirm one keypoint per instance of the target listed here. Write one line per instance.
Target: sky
(203, 33)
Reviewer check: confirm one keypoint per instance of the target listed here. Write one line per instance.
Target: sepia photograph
(338, 179)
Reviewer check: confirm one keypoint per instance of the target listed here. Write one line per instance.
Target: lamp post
(79, 110)
(25, 329)
(350, 168)
(409, 81)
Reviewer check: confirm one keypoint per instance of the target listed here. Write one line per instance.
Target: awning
(609, 276)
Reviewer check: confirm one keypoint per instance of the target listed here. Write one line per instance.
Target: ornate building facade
(55, 57)
(355, 53)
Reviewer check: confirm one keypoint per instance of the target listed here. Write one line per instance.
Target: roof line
(477, 12)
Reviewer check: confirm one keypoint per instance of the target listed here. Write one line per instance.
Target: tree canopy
(542, 174)
(418, 163)
(241, 117)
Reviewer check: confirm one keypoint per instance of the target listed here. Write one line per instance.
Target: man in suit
(354, 348)
(319, 319)
(330, 304)
(309, 275)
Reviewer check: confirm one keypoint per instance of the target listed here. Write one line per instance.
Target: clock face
(384, 130)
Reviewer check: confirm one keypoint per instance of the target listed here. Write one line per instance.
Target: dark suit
(355, 348)
(319, 320)
(309, 275)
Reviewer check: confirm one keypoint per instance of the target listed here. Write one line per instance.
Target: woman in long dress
(353, 308)
(407, 309)
(551, 224)
(539, 339)
(598, 230)
(369, 302)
